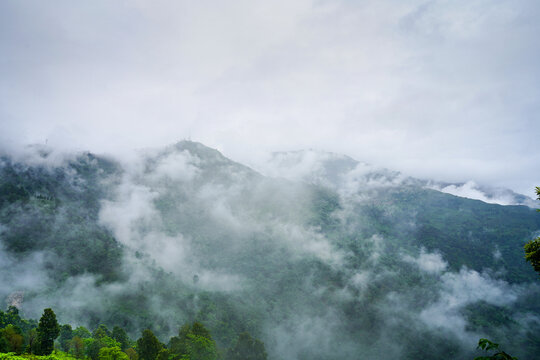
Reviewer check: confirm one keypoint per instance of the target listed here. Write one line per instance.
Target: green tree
(201, 348)
(193, 342)
(532, 248)
(76, 347)
(66, 334)
(148, 346)
(132, 354)
(33, 342)
(121, 336)
(198, 329)
(101, 331)
(48, 330)
(82, 332)
(4, 346)
(488, 345)
(163, 354)
(13, 338)
(178, 345)
(112, 353)
(247, 348)
(94, 345)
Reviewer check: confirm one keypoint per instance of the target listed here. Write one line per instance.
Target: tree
(247, 348)
(66, 334)
(121, 336)
(92, 347)
(178, 345)
(163, 354)
(82, 332)
(201, 348)
(198, 329)
(101, 331)
(194, 343)
(13, 338)
(33, 342)
(76, 346)
(132, 354)
(532, 248)
(487, 345)
(112, 353)
(148, 346)
(48, 330)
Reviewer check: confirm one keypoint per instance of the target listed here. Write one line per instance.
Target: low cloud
(429, 262)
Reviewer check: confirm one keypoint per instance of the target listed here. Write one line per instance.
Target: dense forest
(349, 261)
(193, 342)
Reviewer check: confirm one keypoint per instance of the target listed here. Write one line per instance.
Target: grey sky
(441, 89)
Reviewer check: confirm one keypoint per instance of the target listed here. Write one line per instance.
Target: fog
(301, 261)
(329, 234)
(440, 90)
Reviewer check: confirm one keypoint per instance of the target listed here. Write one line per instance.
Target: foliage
(148, 346)
(13, 339)
(121, 336)
(194, 343)
(48, 330)
(66, 334)
(247, 348)
(56, 355)
(76, 347)
(532, 248)
(112, 353)
(163, 354)
(82, 332)
(132, 354)
(101, 331)
(92, 347)
(488, 345)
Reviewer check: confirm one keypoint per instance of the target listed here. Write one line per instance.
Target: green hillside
(183, 234)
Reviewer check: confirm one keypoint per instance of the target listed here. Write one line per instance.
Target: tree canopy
(48, 330)
(532, 248)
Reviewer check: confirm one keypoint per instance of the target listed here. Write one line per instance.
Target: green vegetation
(488, 346)
(532, 248)
(315, 273)
(194, 342)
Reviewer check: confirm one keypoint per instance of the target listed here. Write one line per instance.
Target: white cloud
(459, 290)
(472, 190)
(429, 262)
(440, 89)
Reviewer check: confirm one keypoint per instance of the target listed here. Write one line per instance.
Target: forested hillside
(24, 339)
(349, 263)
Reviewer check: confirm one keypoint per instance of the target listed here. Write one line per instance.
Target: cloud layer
(439, 89)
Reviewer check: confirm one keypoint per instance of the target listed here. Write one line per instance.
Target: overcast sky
(441, 89)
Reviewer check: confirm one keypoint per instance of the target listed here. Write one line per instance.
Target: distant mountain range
(338, 171)
(317, 254)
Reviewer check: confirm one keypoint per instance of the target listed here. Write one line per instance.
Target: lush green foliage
(488, 346)
(47, 330)
(532, 248)
(194, 342)
(247, 348)
(278, 284)
(148, 346)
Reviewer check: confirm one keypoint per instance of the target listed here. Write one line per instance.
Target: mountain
(341, 172)
(323, 257)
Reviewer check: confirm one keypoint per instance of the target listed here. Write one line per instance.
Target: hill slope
(348, 262)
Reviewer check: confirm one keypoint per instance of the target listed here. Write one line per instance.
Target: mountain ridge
(184, 234)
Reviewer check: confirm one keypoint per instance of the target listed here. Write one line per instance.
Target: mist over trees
(330, 259)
